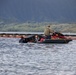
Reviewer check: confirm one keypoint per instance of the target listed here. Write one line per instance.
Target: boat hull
(32, 38)
(59, 41)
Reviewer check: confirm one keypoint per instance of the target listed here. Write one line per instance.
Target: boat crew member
(48, 32)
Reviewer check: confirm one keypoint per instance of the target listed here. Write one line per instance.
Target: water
(37, 59)
(33, 33)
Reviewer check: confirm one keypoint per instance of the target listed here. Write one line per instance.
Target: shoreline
(24, 34)
(31, 33)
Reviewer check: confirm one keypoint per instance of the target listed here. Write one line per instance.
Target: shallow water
(37, 59)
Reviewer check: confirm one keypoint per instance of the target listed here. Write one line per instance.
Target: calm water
(37, 59)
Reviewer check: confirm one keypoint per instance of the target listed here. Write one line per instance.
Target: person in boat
(58, 35)
(48, 32)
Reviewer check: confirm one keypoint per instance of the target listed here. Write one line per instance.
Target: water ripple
(36, 59)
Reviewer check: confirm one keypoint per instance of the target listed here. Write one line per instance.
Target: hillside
(58, 11)
(37, 27)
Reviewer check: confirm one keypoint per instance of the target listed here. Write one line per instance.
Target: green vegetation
(37, 27)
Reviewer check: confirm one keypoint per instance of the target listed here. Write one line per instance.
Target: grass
(37, 27)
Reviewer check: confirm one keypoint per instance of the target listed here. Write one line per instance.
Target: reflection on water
(36, 59)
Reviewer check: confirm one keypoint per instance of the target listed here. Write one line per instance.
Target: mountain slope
(38, 10)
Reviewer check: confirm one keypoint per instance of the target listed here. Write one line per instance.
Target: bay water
(36, 59)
